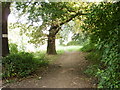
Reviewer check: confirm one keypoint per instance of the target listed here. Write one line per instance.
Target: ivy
(103, 25)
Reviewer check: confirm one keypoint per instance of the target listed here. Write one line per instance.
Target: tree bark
(5, 13)
(51, 48)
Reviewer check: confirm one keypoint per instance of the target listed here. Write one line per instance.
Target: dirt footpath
(66, 72)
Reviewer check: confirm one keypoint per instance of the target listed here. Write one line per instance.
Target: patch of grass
(62, 49)
(49, 58)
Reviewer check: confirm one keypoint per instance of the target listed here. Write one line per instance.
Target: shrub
(73, 43)
(60, 52)
(13, 48)
(21, 64)
(88, 47)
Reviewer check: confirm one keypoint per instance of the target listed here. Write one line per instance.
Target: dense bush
(73, 43)
(103, 26)
(88, 47)
(21, 64)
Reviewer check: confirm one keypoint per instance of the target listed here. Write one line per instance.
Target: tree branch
(73, 16)
(56, 28)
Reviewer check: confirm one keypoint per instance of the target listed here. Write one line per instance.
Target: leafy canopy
(50, 14)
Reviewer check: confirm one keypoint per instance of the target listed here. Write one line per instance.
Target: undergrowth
(103, 26)
(21, 64)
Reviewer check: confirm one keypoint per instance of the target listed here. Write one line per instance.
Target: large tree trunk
(5, 13)
(51, 48)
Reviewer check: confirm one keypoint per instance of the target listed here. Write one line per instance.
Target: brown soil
(66, 72)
